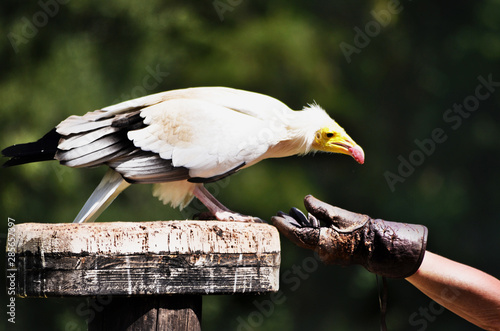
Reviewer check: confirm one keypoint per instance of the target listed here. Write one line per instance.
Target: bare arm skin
(466, 291)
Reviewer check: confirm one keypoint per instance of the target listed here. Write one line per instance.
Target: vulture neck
(301, 129)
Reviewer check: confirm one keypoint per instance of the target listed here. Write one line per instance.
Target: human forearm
(466, 291)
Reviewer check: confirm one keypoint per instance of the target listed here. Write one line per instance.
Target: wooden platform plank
(146, 258)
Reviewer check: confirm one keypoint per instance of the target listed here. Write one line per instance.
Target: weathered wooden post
(150, 275)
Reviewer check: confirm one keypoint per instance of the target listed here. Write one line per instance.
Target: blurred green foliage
(411, 62)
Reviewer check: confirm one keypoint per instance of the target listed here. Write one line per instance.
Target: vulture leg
(108, 189)
(221, 212)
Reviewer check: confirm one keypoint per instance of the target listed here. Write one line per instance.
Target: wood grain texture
(176, 312)
(146, 258)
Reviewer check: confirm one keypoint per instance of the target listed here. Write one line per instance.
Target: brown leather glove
(389, 249)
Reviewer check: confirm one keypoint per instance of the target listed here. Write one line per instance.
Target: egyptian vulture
(180, 139)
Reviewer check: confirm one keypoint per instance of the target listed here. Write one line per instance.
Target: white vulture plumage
(180, 139)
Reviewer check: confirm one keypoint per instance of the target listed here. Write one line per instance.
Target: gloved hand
(389, 249)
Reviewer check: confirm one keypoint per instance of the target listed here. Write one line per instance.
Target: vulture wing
(200, 133)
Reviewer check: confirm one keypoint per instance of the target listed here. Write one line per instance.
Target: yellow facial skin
(334, 139)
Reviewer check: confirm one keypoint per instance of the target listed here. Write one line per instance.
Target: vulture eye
(329, 134)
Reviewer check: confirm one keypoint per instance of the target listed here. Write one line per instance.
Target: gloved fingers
(310, 221)
(313, 220)
(341, 219)
(299, 216)
(289, 219)
(323, 210)
(305, 237)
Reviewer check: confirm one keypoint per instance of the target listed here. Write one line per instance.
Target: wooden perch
(147, 267)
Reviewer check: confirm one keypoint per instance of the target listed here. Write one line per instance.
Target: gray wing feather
(80, 140)
(148, 168)
(99, 148)
(80, 124)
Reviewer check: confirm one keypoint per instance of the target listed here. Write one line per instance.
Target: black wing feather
(44, 149)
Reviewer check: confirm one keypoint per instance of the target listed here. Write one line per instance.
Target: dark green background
(408, 70)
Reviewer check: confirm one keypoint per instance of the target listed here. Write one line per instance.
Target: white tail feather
(108, 189)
